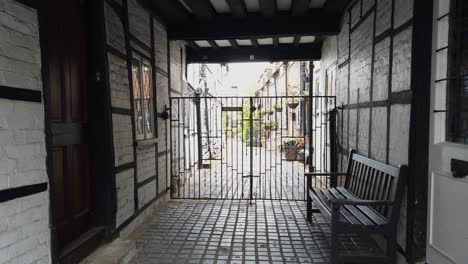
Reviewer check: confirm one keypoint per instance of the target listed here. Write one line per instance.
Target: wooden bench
(368, 203)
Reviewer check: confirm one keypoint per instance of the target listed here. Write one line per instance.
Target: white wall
(24, 222)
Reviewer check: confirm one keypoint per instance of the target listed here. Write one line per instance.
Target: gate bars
(250, 147)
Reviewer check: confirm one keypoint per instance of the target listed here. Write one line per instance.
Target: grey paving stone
(234, 231)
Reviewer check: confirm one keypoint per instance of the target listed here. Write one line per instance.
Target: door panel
(68, 118)
(448, 207)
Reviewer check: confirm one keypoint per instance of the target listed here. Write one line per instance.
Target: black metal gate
(250, 147)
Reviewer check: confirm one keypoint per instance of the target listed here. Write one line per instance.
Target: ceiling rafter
(336, 6)
(237, 7)
(201, 9)
(299, 7)
(297, 40)
(213, 44)
(275, 42)
(254, 43)
(315, 23)
(233, 43)
(168, 10)
(268, 7)
(284, 52)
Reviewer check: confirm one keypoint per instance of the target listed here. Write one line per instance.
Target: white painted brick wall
(381, 69)
(125, 195)
(363, 135)
(379, 134)
(19, 46)
(160, 44)
(119, 83)
(401, 71)
(123, 139)
(361, 57)
(139, 20)
(114, 29)
(146, 162)
(146, 193)
(360, 80)
(24, 222)
(384, 16)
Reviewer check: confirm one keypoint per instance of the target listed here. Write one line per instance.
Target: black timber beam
(318, 23)
(285, 52)
(201, 9)
(168, 10)
(299, 7)
(237, 7)
(268, 7)
(336, 6)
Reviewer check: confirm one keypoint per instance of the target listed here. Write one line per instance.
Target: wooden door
(68, 118)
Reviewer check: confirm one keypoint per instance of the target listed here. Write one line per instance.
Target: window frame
(148, 115)
(455, 99)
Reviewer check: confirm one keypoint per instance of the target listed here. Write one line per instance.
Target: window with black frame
(457, 124)
(143, 99)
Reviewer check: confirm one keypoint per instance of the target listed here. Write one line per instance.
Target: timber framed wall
(140, 167)
(24, 193)
(376, 90)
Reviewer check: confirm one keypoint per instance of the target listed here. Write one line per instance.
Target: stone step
(117, 252)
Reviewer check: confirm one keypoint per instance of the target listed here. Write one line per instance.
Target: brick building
(86, 143)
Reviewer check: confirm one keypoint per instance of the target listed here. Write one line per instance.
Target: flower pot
(293, 105)
(291, 154)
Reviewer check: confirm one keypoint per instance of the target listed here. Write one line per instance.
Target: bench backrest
(373, 180)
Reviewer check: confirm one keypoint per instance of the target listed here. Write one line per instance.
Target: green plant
(269, 111)
(293, 102)
(270, 125)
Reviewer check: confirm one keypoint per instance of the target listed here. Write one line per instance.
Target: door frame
(103, 190)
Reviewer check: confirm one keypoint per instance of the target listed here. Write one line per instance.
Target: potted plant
(277, 107)
(293, 148)
(269, 111)
(270, 125)
(293, 103)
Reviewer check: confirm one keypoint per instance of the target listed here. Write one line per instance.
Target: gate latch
(165, 113)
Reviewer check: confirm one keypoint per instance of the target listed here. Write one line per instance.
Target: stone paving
(234, 231)
(274, 177)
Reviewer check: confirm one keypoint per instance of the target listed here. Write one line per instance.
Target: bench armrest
(360, 202)
(325, 174)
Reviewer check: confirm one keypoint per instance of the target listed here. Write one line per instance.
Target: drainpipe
(286, 90)
(302, 85)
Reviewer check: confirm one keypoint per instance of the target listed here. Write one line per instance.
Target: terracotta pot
(293, 105)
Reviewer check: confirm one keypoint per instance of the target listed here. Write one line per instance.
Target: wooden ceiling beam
(315, 23)
(268, 7)
(284, 52)
(168, 10)
(336, 6)
(233, 43)
(237, 7)
(300, 7)
(201, 9)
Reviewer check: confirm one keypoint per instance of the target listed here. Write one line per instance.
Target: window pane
(136, 74)
(148, 101)
(458, 84)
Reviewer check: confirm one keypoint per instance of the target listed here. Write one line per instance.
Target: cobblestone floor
(233, 231)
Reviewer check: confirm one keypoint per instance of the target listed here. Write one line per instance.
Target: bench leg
(334, 247)
(335, 243)
(391, 250)
(309, 209)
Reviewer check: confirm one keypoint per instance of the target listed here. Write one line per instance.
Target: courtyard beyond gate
(250, 147)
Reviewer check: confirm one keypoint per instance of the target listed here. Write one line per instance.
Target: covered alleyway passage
(232, 231)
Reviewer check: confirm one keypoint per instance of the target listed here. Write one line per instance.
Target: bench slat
(324, 196)
(369, 211)
(352, 209)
